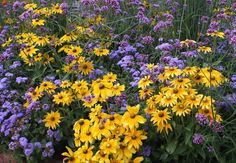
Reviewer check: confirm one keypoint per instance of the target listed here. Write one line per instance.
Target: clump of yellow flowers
(117, 137)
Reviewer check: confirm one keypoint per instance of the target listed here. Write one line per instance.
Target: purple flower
(147, 40)
(23, 141)
(21, 80)
(198, 138)
(202, 119)
(165, 47)
(216, 126)
(146, 151)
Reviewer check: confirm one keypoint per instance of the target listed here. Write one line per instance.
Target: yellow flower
(64, 98)
(144, 82)
(101, 52)
(109, 146)
(190, 70)
(168, 100)
(30, 6)
(131, 119)
(102, 89)
(137, 160)
(48, 87)
(193, 100)
(180, 83)
(65, 84)
(38, 22)
(86, 67)
(52, 119)
(181, 109)
(177, 92)
(71, 157)
(68, 37)
(216, 34)
(29, 51)
(86, 136)
(74, 50)
(207, 102)
(36, 94)
(133, 138)
(38, 57)
(164, 127)
(41, 41)
(102, 157)
(124, 152)
(110, 77)
(204, 49)
(160, 117)
(81, 125)
(153, 101)
(101, 129)
(144, 93)
(56, 9)
(117, 89)
(85, 153)
(172, 71)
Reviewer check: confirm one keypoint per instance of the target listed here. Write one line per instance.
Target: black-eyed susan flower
(164, 127)
(71, 157)
(160, 117)
(168, 100)
(74, 50)
(181, 83)
(56, 9)
(86, 136)
(101, 129)
(64, 98)
(103, 89)
(180, 109)
(110, 77)
(144, 82)
(131, 117)
(81, 125)
(52, 119)
(172, 71)
(193, 100)
(204, 49)
(134, 138)
(85, 153)
(124, 152)
(145, 93)
(41, 41)
(100, 156)
(38, 22)
(117, 89)
(101, 52)
(86, 67)
(109, 146)
(30, 6)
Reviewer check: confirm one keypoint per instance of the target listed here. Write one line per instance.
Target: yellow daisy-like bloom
(48, 87)
(172, 71)
(124, 152)
(85, 153)
(190, 70)
(164, 127)
(36, 94)
(216, 34)
(81, 125)
(100, 156)
(101, 52)
(65, 84)
(117, 89)
(153, 101)
(177, 92)
(181, 83)
(30, 6)
(38, 22)
(160, 117)
(168, 100)
(71, 157)
(212, 78)
(86, 136)
(131, 119)
(180, 109)
(38, 57)
(137, 160)
(208, 112)
(64, 98)
(133, 138)
(193, 100)
(204, 49)
(101, 129)
(110, 77)
(79, 85)
(29, 51)
(52, 119)
(74, 50)
(207, 102)
(109, 146)
(68, 37)
(41, 41)
(144, 82)
(103, 90)
(144, 93)
(86, 67)
(56, 9)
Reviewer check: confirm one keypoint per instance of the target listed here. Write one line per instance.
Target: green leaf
(170, 148)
